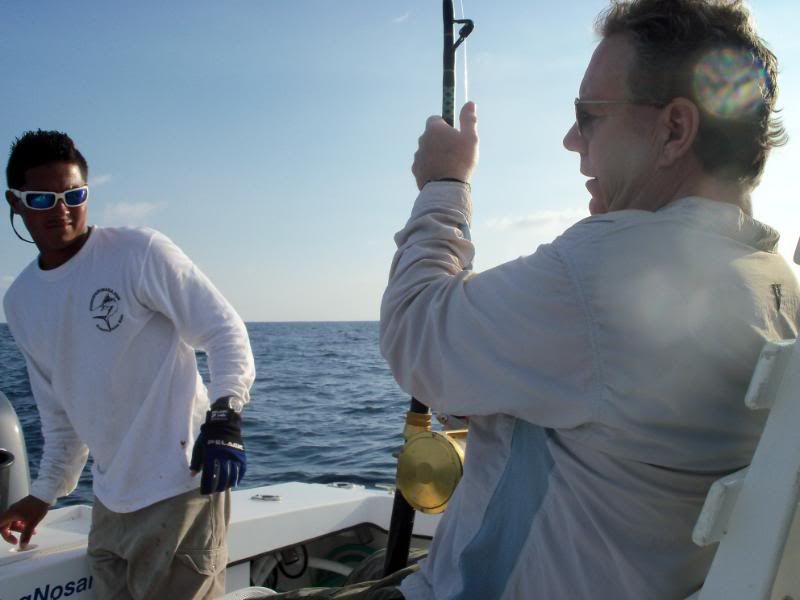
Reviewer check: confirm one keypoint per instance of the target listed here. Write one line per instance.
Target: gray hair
(709, 52)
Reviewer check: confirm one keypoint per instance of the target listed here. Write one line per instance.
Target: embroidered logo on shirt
(104, 307)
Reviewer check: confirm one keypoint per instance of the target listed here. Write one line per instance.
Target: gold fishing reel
(430, 464)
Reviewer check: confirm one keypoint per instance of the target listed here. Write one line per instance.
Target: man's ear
(13, 201)
(679, 123)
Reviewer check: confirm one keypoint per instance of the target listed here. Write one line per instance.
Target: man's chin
(60, 241)
(597, 206)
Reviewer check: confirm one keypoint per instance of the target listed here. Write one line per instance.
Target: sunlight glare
(730, 84)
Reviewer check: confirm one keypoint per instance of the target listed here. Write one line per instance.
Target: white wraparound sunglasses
(47, 200)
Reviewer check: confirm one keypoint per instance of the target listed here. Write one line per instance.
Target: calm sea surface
(324, 406)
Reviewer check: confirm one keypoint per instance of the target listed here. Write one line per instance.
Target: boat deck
(263, 519)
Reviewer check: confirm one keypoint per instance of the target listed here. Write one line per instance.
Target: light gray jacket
(605, 377)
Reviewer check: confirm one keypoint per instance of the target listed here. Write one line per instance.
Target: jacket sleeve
(64, 454)
(172, 285)
(511, 340)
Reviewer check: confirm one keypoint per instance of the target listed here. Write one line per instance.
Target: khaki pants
(174, 549)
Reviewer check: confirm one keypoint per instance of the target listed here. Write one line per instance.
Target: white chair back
(753, 513)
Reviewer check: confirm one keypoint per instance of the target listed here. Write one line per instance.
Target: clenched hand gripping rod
(418, 418)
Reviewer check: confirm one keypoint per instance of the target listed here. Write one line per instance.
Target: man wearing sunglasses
(108, 320)
(605, 373)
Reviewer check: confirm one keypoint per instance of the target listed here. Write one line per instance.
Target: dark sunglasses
(583, 118)
(47, 200)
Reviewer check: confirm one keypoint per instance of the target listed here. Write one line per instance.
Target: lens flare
(730, 83)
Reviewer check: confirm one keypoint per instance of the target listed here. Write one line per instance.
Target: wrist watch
(233, 403)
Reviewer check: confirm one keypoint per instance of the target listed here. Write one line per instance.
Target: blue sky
(273, 140)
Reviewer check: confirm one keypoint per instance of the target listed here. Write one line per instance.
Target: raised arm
(454, 339)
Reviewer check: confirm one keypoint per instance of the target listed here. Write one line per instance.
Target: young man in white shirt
(108, 320)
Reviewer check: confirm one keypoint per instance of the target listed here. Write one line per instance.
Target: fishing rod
(449, 59)
(418, 418)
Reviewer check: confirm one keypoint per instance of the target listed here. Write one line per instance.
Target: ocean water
(324, 406)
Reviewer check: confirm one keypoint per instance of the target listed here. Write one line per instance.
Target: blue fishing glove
(219, 449)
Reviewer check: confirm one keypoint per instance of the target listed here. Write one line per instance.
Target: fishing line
(466, 71)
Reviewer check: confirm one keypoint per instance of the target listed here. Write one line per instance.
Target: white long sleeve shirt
(109, 339)
(604, 376)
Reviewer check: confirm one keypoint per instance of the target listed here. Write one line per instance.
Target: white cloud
(99, 179)
(129, 213)
(5, 281)
(402, 18)
(546, 219)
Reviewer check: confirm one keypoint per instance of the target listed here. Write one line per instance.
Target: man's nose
(61, 206)
(573, 140)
